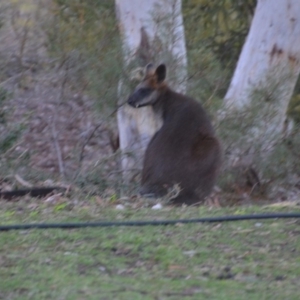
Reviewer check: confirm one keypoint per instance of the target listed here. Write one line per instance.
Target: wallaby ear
(161, 72)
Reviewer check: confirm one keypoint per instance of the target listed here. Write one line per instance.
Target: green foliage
(272, 158)
(8, 135)
(215, 32)
(286, 154)
(84, 36)
(8, 140)
(221, 26)
(4, 95)
(294, 108)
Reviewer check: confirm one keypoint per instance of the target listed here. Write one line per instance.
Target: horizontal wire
(149, 223)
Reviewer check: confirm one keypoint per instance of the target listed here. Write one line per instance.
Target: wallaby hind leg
(152, 191)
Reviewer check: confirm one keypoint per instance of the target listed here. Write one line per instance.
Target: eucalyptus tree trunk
(152, 31)
(267, 71)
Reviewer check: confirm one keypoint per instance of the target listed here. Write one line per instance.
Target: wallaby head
(148, 91)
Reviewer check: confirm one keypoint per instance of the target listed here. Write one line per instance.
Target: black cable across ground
(149, 223)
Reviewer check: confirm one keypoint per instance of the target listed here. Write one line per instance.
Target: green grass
(234, 260)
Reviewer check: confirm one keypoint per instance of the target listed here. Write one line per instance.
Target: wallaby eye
(144, 92)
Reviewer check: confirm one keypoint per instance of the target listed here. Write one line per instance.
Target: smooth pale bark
(153, 30)
(269, 62)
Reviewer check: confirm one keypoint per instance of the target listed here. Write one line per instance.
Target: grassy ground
(237, 260)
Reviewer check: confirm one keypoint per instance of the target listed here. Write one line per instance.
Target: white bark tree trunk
(152, 31)
(268, 66)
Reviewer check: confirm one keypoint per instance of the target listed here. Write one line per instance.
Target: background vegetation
(73, 48)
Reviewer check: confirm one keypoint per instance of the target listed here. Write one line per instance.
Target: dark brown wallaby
(184, 150)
